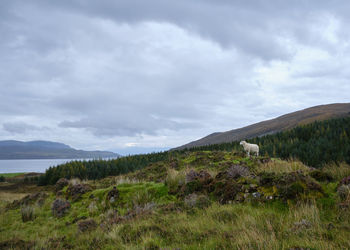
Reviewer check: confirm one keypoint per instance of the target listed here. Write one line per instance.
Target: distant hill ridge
(284, 122)
(12, 149)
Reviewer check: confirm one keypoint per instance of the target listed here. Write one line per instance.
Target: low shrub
(27, 213)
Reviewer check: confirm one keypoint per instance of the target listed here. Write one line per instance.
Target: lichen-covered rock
(61, 183)
(87, 225)
(76, 191)
(113, 195)
(60, 207)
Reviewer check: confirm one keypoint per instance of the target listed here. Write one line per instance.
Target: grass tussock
(279, 166)
(338, 171)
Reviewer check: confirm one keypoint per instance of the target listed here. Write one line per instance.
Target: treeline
(314, 144)
(97, 169)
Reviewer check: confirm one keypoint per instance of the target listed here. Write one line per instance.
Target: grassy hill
(285, 122)
(210, 197)
(192, 200)
(315, 145)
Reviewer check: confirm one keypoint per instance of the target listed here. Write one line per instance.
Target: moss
(268, 191)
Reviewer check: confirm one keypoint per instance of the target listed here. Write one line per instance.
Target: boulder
(113, 195)
(61, 183)
(60, 207)
(76, 191)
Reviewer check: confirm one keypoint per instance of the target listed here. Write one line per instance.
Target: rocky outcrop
(36, 198)
(61, 183)
(60, 207)
(113, 195)
(74, 192)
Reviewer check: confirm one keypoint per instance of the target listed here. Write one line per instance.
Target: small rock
(87, 225)
(256, 195)
(113, 195)
(301, 224)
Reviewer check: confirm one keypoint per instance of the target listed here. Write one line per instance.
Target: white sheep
(250, 148)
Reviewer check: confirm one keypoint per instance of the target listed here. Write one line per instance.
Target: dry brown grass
(9, 197)
(338, 171)
(279, 166)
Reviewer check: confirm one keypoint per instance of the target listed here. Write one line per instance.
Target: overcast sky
(123, 75)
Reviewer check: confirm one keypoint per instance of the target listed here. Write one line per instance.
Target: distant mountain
(285, 122)
(46, 150)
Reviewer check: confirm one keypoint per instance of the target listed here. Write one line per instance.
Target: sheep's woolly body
(250, 148)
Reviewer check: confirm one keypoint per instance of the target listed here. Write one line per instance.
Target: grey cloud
(169, 72)
(254, 28)
(19, 127)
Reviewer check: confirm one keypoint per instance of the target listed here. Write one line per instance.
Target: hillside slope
(46, 150)
(288, 121)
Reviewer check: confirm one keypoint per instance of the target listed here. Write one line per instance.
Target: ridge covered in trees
(98, 169)
(314, 144)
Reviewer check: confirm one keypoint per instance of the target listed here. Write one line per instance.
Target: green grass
(315, 223)
(8, 175)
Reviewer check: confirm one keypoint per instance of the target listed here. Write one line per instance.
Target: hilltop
(12, 149)
(282, 123)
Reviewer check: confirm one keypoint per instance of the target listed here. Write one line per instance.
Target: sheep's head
(242, 142)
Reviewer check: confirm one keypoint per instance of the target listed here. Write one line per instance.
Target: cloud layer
(116, 74)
